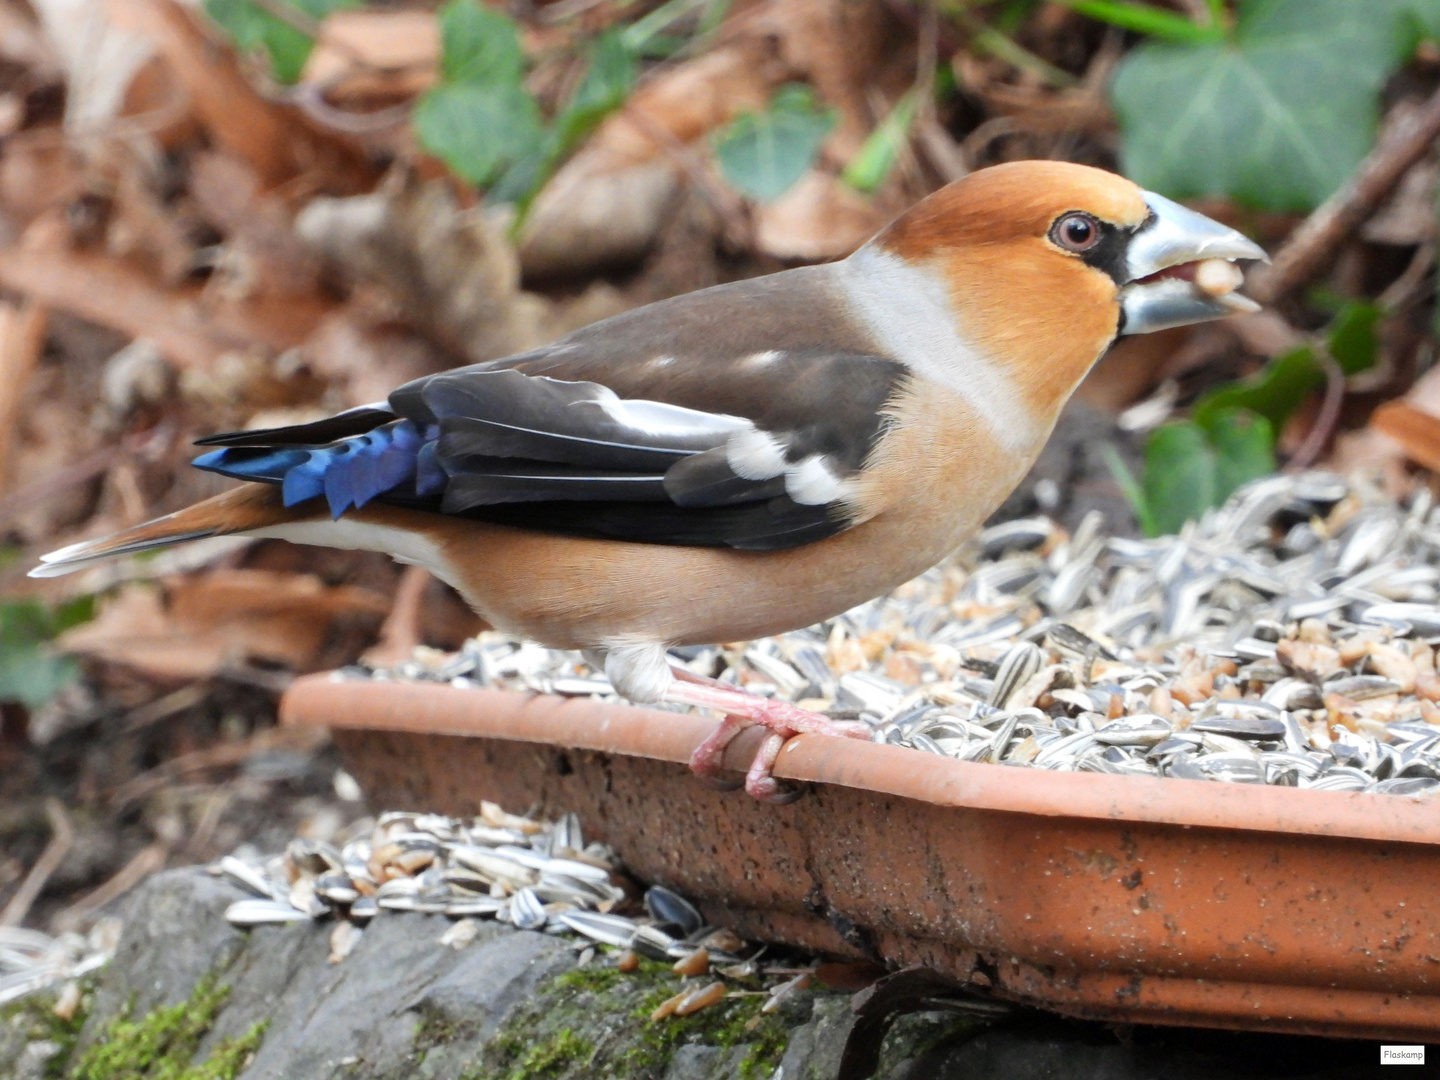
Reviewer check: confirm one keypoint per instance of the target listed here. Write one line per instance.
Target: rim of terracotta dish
(584, 724)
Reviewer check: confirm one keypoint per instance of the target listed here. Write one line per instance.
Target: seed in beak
(1216, 277)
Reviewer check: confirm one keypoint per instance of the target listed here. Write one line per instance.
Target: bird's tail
(247, 508)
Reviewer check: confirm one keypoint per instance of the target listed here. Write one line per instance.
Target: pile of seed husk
(32, 960)
(534, 875)
(1286, 638)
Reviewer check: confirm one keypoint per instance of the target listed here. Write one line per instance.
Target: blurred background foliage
(226, 213)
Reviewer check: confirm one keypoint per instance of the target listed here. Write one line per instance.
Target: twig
(1411, 283)
(1324, 425)
(62, 839)
(987, 39)
(212, 757)
(146, 861)
(153, 712)
(150, 444)
(1313, 245)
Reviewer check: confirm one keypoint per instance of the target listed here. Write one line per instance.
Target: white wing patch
(758, 455)
(658, 420)
(811, 483)
(754, 455)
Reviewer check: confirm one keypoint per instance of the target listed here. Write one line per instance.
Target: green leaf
(29, 672)
(877, 157)
(1278, 116)
(479, 45)
(1130, 488)
(1277, 390)
(1179, 481)
(1352, 337)
(1274, 392)
(607, 82)
(1244, 450)
(1425, 16)
(609, 77)
(34, 676)
(478, 130)
(762, 154)
(1146, 19)
(253, 28)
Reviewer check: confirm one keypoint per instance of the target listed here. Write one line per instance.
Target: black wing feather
(343, 425)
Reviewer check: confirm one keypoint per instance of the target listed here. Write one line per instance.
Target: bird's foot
(744, 710)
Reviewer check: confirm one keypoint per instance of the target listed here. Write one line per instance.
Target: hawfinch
(744, 460)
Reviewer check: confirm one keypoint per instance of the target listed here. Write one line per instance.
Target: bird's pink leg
(741, 710)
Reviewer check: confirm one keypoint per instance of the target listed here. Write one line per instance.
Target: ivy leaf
(478, 130)
(1190, 469)
(1277, 389)
(1244, 447)
(30, 672)
(1179, 482)
(1274, 392)
(762, 154)
(608, 80)
(1425, 16)
(479, 45)
(1352, 336)
(252, 28)
(1278, 116)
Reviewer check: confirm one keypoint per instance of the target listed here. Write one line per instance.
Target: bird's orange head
(1043, 263)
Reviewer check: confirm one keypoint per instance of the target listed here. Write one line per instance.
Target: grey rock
(813, 1052)
(399, 1005)
(33, 1060)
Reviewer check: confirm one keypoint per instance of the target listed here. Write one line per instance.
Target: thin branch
(989, 40)
(1314, 244)
(1324, 425)
(62, 839)
(146, 862)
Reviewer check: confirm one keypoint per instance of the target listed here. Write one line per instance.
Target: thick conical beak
(1179, 272)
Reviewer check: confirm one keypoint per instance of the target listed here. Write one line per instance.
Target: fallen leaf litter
(1286, 638)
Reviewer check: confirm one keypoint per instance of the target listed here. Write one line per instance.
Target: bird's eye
(1076, 232)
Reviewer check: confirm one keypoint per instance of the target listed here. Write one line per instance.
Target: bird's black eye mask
(1108, 252)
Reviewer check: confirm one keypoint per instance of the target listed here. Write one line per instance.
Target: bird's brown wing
(734, 435)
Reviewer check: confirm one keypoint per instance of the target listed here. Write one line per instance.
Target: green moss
(553, 1057)
(162, 1044)
(595, 1022)
(42, 1025)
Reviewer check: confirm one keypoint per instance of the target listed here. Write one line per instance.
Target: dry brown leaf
(38, 175)
(1416, 431)
(362, 362)
(819, 218)
(452, 272)
(363, 53)
(259, 238)
(608, 203)
(200, 625)
(22, 335)
(188, 331)
(100, 54)
(271, 137)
